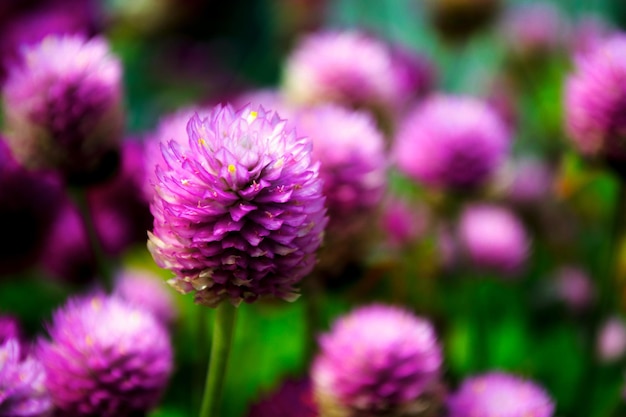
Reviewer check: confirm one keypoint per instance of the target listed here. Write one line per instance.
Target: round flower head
(22, 390)
(346, 67)
(595, 100)
(106, 358)
(611, 343)
(403, 223)
(574, 287)
(293, 399)
(9, 328)
(238, 210)
(499, 394)
(452, 142)
(377, 360)
(144, 289)
(62, 106)
(493, 238)
(525, 181)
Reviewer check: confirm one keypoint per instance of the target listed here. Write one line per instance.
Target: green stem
(80, 198)
(223, 329)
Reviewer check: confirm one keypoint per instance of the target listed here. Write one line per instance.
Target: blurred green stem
(106, 275)
(223, 329)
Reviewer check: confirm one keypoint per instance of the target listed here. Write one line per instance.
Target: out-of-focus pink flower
(611, 344)
(143, 289)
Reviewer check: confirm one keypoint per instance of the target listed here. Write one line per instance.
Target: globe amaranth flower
(106, 358)
(347, 67)
(239, 210)
(378, 360)
(595, 100)
(451, 142)
(493, 238)
(29, 202)
(499, 394)
(403, 222)
(525, 180)
(574, 287)
(63, 107)
(9, 328)
(611, 343)
(22, 389)
(293, 398)
(144, 289)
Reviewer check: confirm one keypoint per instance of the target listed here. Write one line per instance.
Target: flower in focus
(143, 289)
(239, 210)
(451, 142)
(611, 343)
(63, 107)
(347, 67)
(29, 202)
(493, 238)
(378, 360)
(595, 100)
(22, 390)
(106, 358)
(499, 394)
(293, 399)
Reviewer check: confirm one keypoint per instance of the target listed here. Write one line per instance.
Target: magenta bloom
(22, 390)
(106, 358)
(451, 142)
(239, 210)
(145, 290)
(595, 100)
(28, 204)
(611, 343)
(350, 149)
(377, 360)
(9, 329)
(63, 104)
(293, 398)
(526, 180)
(493, 238)
(574, 287)
(346, 67)
(403, 223)
(499, 394)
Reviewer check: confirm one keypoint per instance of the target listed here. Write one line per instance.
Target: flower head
(377, 359)
(611, 343)
(106, 358)
(62, 106)
(493, 238)
(292, 399)
(22, 390)
(595, 100)
(346, 67)
(499, 394)
(239, 210)
(451, 142)
(144, 289)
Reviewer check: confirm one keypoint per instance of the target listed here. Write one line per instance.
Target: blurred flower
(413, 74)
(347, 67)
(22, 390)
(595, 100)
(611, 344)
(402, 222)
(63, 107)
(239, 210)
(588, 34)
(499, 394)
(377, 360)
(493, 237)
(120, 210)
(574, 287)
(9, 328)
(453, 142)
(526, 180)
(106, 358)
(534, 31)
(28, 204)
(143, 289)
(456, 20)
(292, 399)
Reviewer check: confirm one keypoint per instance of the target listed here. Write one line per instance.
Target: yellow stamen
(231, 168)
(252, 116)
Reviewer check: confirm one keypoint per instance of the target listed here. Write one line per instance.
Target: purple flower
(9, 329)
(22, 390)
(239, 210)
(574, 287)
(611, 343)
(493, 238)
(346, 67)
(63, 106)
(377, 360)
(292, 399)
(403, 223)
(106, 358)
(28, 204)
(499, 394)
(526, 180)
(595, 100)
(452, 142)
(145, 290)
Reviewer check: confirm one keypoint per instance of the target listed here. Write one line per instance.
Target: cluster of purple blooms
(242, 202)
